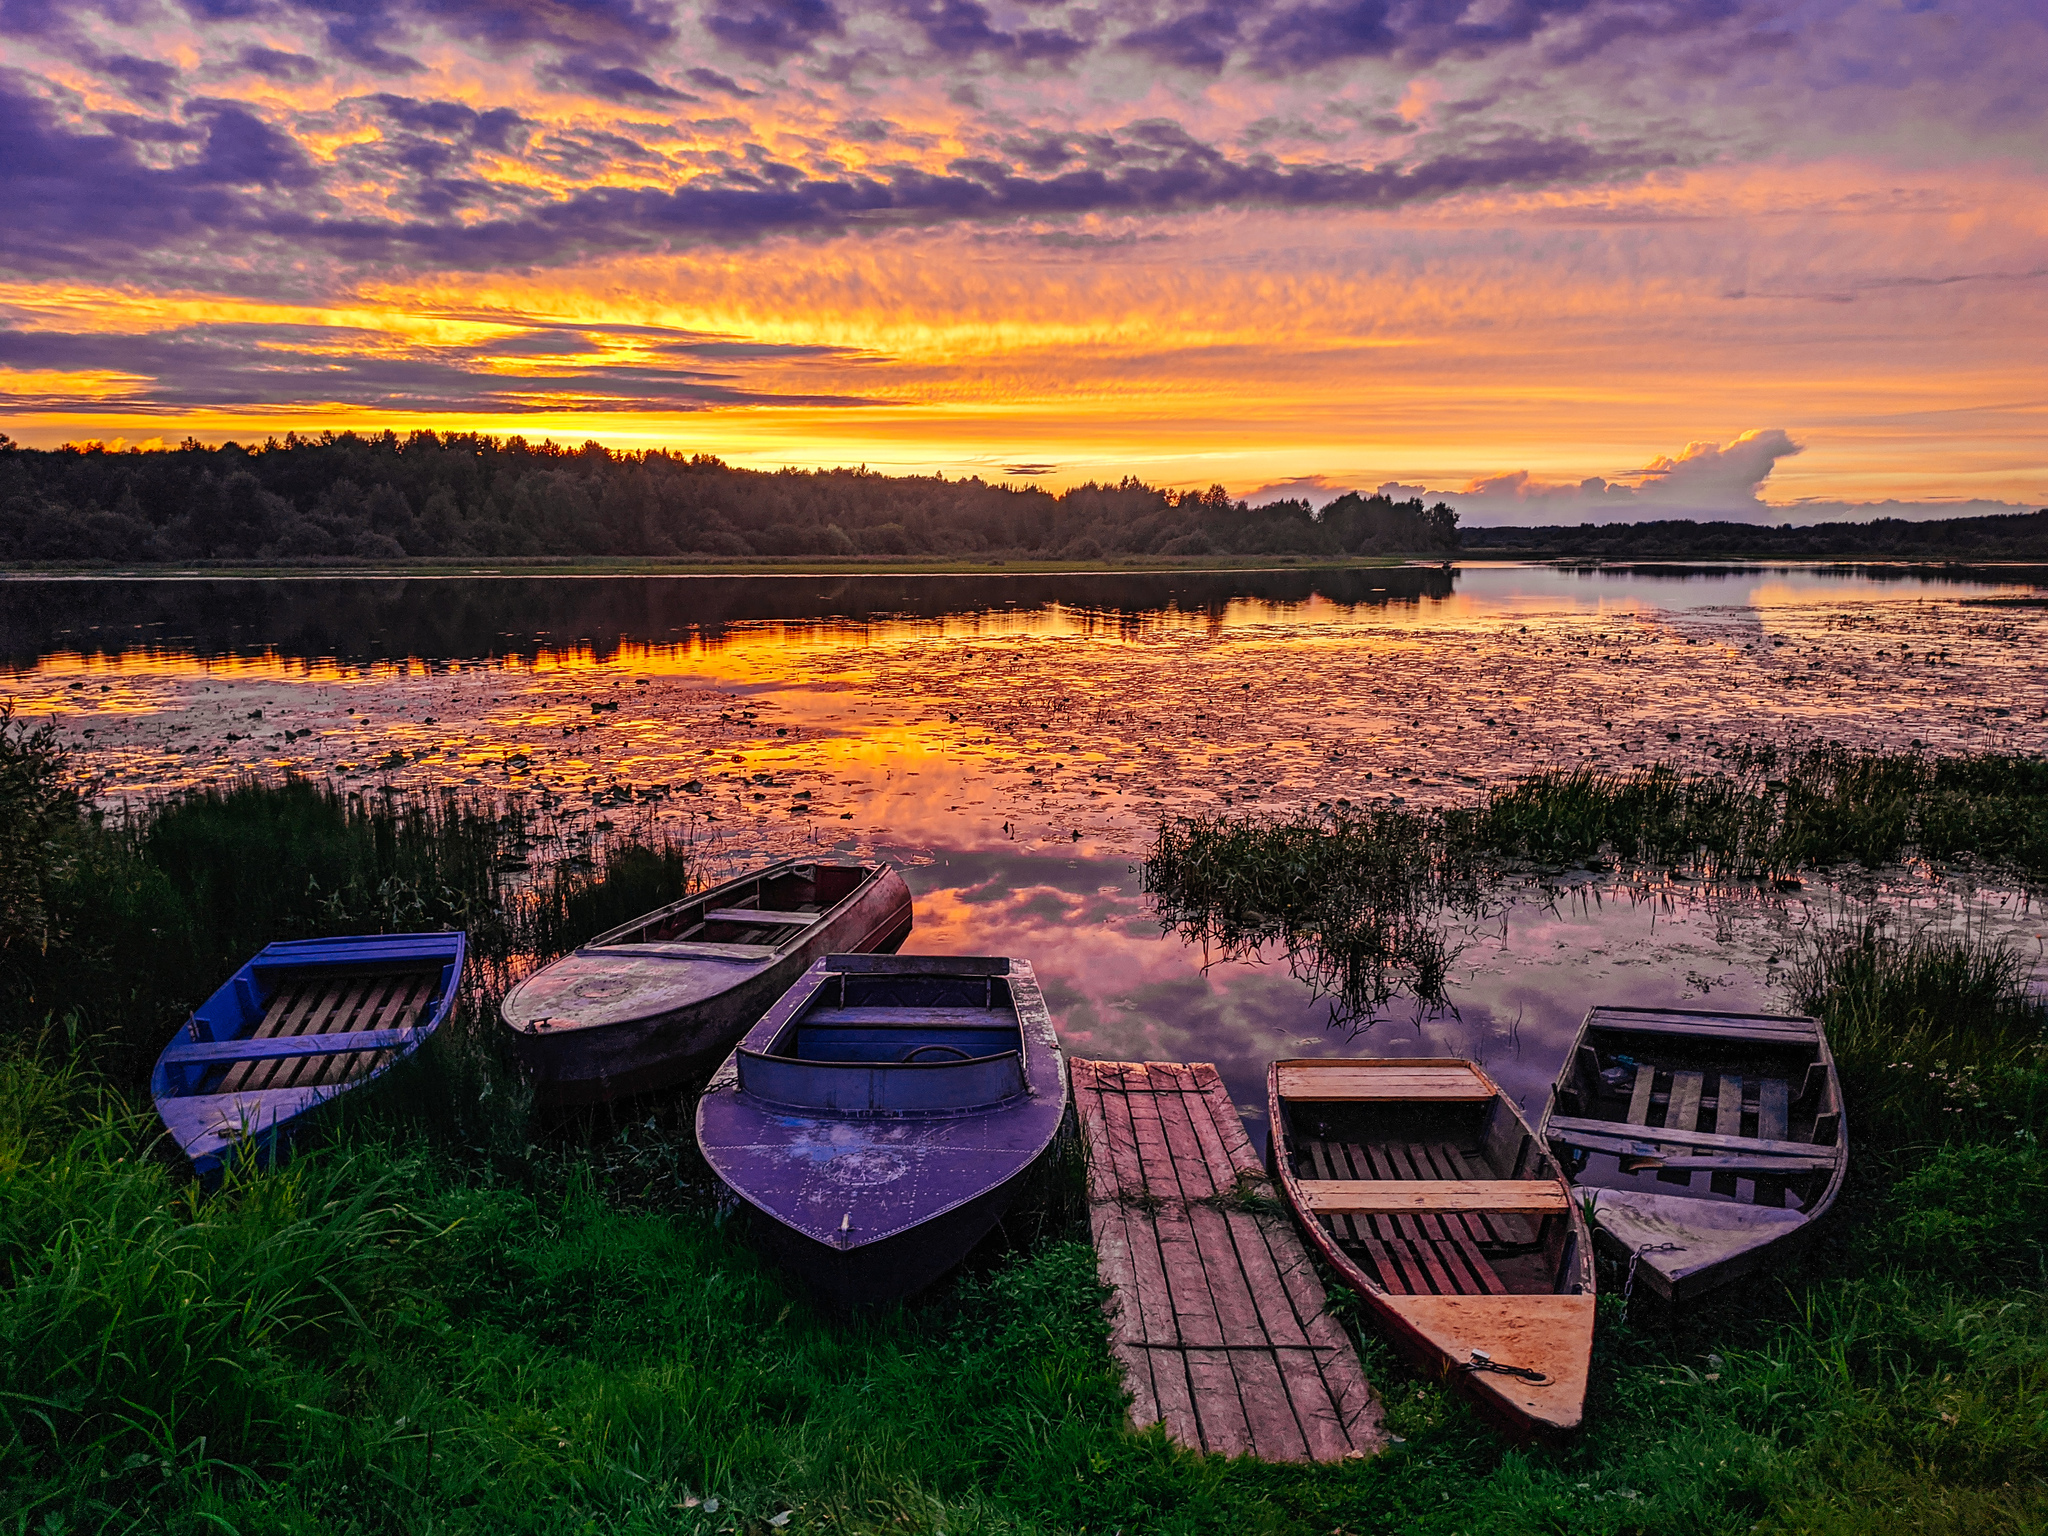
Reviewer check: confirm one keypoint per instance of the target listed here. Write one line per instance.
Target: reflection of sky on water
(1017, 754)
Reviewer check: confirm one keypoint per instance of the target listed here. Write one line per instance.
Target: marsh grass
(1766, 813)
(1356, 901)
(136, 920)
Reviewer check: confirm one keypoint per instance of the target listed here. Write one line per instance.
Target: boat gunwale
(872, 870)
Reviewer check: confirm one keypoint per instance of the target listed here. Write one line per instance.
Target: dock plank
(1216, 1298)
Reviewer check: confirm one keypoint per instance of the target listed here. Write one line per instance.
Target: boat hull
(597, 1063)
(877, 1274)
(298, 1026)
(874, 1163)
(1751, 1112)
(1437, 1333)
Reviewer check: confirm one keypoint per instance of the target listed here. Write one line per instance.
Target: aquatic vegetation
(1355, 900)
(1766, 813)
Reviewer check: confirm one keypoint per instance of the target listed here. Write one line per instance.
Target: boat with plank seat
(1708, 1140)
(884, 1115)
(664, 997)
(1421, 1184)
(300, 1024)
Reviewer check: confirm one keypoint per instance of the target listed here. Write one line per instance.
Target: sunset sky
(1713, 256)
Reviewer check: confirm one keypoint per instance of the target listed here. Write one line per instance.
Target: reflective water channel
(1013, 741)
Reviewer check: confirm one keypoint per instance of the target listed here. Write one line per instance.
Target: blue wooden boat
(299, 1025)
(884, 1114)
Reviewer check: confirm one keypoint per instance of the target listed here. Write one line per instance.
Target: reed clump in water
(1357, 901)
(1765, 813)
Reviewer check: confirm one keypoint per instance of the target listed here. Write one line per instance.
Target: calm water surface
(1013, 741)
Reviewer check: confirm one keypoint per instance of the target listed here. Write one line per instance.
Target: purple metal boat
(884, 1114)
(663, 998)
(302, 1023)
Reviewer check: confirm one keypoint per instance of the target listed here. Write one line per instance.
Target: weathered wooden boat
(299, 1025)
(663, 998)
(1706, 1140)
(885, 1114)
(1422, 1185)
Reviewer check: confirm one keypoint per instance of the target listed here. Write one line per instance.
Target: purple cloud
(769, 31)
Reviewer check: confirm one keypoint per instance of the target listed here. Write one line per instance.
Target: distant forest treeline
(2018, 536)
(343, 496)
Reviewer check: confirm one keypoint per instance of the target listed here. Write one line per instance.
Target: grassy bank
(448, 1317)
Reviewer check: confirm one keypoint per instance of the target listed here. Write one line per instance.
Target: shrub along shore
(451, 1316)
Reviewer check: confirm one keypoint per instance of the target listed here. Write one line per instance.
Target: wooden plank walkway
(1218, 1317)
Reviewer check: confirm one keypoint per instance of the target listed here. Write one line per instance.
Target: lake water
(1013, 741)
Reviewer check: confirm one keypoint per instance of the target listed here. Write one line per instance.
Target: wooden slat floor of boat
(326, 1004)
(1421, 1253)
(1218, 1320)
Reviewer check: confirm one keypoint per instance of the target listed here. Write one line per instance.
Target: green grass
(447, 1317)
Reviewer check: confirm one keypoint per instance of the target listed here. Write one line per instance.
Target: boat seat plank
(1639, 1098)
(909, 1018)
(1430, 1199)
(1730, 1027)
(285, 1016)
(1735, 1162)
(761, 918)
(1338, 1082)
(1611, 1136)
(194, 1052)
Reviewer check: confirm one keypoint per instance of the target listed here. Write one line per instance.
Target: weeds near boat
(1926, 1027)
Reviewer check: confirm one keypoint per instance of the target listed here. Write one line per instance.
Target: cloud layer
(1036, 217)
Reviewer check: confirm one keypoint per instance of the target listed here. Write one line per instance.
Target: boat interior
(314, 1001)
(771, 908)
(1708, 1089)
(881, 1041)
(1452, 1252)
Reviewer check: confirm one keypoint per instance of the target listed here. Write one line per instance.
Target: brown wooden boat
(668, 995)
(1707, 1141)
(1423, 1187)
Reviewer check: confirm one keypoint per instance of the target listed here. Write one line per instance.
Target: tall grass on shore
(1925, 1026)
(390, 1336)
(128, 923)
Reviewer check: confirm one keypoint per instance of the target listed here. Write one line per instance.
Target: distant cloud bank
(1705, 482)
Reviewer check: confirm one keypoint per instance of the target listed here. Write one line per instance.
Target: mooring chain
(1628, 1286)
(1482, 1361)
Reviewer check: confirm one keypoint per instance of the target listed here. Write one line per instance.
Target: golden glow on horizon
(1563, 334)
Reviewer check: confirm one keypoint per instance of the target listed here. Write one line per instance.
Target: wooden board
(1315, 1082)
(1218, 1319)
(1732, 1027)
(1431, 1196)
(1610, 1135)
